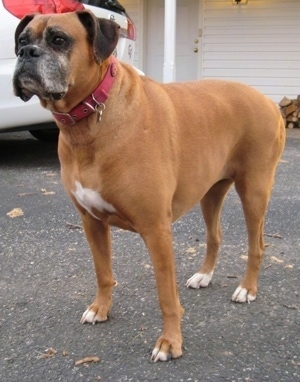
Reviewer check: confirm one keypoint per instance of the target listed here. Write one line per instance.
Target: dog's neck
(94, 103)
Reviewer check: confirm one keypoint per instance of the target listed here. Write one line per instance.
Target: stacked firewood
(290, 111)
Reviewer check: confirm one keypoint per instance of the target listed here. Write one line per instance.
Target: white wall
(257, 43)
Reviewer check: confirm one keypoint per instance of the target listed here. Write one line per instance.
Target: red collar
(94, 102)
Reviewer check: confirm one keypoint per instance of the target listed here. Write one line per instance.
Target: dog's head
(54, 51)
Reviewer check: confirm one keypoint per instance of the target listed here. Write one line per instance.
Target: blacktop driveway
(47, 280)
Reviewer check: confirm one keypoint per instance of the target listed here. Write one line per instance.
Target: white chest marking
(89, 199)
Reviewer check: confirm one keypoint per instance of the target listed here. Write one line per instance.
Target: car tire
(46, 135)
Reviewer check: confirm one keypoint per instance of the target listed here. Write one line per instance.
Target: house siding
(257, 43)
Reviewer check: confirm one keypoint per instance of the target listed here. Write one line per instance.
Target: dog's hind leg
(98, 236)
(211, 205)
(254, 194)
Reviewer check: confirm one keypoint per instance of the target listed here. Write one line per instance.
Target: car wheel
(46, 135)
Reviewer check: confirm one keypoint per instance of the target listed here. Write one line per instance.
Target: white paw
(199, 280)
(90, 317)
(242, 295)
(159, 355)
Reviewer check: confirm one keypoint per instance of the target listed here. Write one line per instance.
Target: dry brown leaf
(289, 266)
(276, 235)
(14, 213)
(191, 250)
(74, 226)
(51, 174)
(45, 192)
(276, 260)
(27, 194)
(87, 360)
(48, 354)
(227, 353)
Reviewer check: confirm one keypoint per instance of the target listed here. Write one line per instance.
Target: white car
(17, 115)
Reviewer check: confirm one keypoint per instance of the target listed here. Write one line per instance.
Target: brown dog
(137, 154)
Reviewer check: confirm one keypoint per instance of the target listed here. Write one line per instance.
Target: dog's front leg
(159, 244)
(98, 236)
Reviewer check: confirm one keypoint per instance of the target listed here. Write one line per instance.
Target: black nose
(30, 51)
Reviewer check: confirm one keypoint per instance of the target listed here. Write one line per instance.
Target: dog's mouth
(25, 94)
(45, 78)
(57, 96)
(26, 88)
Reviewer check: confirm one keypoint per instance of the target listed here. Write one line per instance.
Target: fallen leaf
(191, 250)
(289, 266)
(51, 174)
(276, 260)
(27, 193)
(276, 235)
(45, 192)
(48, 354)
(290, 306)
(227, 353)
(87, 360)
(15, 213)
(74, 226)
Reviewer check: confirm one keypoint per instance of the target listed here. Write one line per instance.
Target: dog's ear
(22, 25)
(103, 34)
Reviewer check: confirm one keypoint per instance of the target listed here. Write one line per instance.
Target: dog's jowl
(138, 154)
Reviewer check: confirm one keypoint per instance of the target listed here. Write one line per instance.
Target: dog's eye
(22, 41)
(58, 40)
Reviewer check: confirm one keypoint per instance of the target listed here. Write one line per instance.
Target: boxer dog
(138, 154)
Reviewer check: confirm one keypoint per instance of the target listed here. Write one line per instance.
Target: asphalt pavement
(47, 280)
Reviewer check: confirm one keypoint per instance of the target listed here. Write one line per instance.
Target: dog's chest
(91, 200)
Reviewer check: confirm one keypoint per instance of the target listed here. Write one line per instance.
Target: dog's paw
(91, 317)
(199, 280)
(165, 351)
(242, 295)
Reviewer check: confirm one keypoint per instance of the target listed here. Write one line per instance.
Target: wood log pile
(290, 111)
